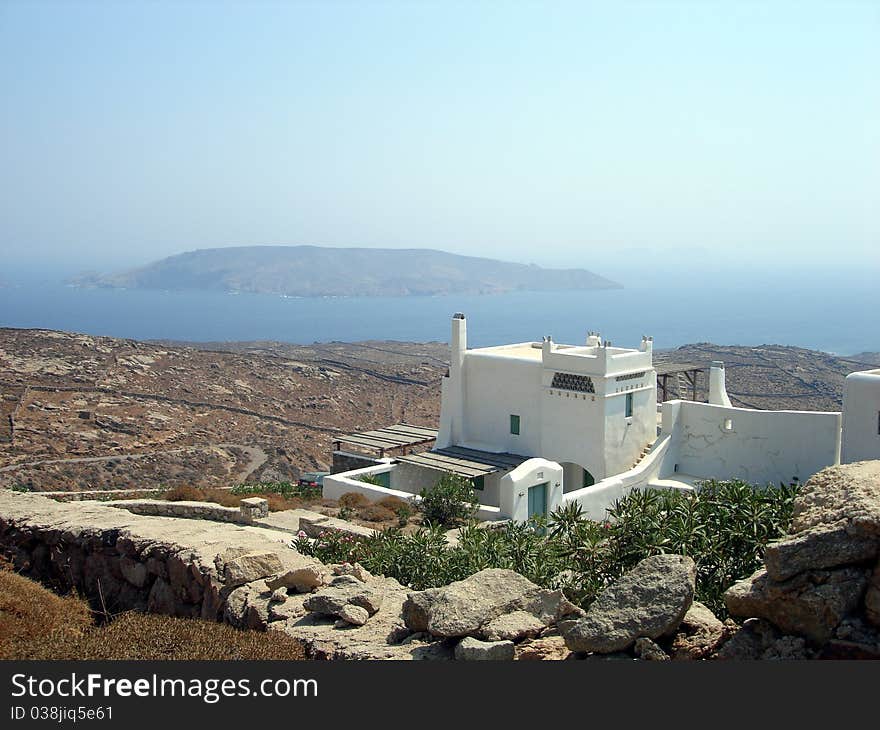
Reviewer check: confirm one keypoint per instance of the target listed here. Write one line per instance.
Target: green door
(538, 500)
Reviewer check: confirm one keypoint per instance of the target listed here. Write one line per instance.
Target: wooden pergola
(685, 380)
(401, 436)
(469, 463)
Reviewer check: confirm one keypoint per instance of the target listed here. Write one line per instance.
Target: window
(629, 405)
(514, 425)
(479, 483)
(588, 479)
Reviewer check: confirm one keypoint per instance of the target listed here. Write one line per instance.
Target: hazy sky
(604, 134)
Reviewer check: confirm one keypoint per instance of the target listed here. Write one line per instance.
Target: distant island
(316, 271)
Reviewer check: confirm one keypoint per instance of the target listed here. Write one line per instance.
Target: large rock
(471, 649)
(514, 626)
(384, 636)
(872, 598)
(250, 567)
(759, 639)
(303, 579)
(699, 634)
(342, 592)
(810, 604)
(649, 601)
(546, 648)
(471, 607)
(822, 546)
(849, 492)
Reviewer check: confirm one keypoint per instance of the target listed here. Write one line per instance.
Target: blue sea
(835, 313)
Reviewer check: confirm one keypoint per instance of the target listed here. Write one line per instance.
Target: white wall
(515, 487)
(336, 485)
(758, 446)
(861, 417)
(596, 499)
(496, 387)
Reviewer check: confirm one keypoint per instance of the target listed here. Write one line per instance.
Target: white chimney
(717, 387)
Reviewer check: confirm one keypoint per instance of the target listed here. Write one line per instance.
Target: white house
(534, 425)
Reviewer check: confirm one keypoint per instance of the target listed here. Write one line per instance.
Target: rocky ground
(80, 412)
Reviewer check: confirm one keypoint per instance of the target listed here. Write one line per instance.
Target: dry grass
(184, 494)
(376, 513)
(38, 624)
(354, 500)
(277, 502)
(393, 503)
(33, 620)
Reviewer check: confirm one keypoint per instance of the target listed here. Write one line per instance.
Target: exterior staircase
(642, 455)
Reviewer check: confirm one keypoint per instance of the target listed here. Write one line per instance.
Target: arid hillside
(81, 412)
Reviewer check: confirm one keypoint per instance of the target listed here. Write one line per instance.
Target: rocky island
(315, 271)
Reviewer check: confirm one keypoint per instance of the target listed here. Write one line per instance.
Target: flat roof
(469, 463)
(391, 437)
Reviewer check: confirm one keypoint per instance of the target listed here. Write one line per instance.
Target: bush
(354, 500)
(376, 513)
(452, 501)
(184, 493)
(393, 503)
(724, 527)
(403, 509)
(371, 479)
(287, 490)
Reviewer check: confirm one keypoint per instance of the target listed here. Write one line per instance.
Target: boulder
(819, 547)
(848, 492)
(345, 591)
(354, 615)
(514, 626)
(248, 606)
(649, 601)
(872, 598)
(250, 567)
(699, 634)
(356, 570)
(468, 607)
(810, 604)
(545, 648)
(304, 579)
(471, 649)
(646, 649)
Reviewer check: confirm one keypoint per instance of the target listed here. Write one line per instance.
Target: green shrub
(724, 527)
(371, 479)
(452, 501)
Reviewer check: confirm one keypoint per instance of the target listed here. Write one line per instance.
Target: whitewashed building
(534, 425)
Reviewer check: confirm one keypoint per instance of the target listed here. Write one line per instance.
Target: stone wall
(122, 561)
(246, 513)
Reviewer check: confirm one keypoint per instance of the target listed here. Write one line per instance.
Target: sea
(836, 313)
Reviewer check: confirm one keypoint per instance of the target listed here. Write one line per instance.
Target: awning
(468, 463)
(399, 436)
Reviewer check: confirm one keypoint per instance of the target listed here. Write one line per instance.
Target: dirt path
(258, 457)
